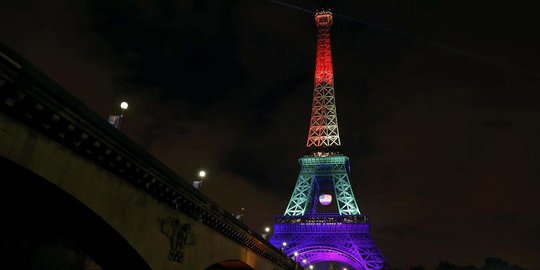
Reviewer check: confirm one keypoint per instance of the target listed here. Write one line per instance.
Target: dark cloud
(186, 51)
(398, 230)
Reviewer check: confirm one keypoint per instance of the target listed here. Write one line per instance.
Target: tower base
(321, 238)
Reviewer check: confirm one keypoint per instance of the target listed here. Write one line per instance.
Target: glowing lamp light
(325, 199)
(295, 253)
(202, 174)
(284, 244)
(123, 105)
(267, 229)
(304, 261)
(311, 267)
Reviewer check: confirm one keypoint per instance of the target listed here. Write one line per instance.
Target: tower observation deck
(309, 230)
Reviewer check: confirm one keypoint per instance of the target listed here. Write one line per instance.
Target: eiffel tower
(306, 231)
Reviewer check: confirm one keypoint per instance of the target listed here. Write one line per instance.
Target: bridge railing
(31, 97)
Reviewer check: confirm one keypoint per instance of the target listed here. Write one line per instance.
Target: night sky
(439, 116)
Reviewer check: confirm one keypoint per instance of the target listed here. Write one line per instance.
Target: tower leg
(344, 194)
(303, 191)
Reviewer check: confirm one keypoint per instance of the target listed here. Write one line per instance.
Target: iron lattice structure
(323, 126)
(337, 238)
(317, 174)
(303, 232)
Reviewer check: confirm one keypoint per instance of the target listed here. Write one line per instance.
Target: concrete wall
(134, 214)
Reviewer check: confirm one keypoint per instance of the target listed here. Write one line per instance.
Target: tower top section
(323, 135)
(323, 18)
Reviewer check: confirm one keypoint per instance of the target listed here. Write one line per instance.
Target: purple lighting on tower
(323, 238)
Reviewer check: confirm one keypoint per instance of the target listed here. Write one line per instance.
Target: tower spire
(323, 128)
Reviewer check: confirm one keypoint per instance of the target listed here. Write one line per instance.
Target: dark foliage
(490, 263)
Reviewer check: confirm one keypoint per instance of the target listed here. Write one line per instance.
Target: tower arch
(324, 253)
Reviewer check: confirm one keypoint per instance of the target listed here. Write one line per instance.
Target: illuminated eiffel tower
(306, 232)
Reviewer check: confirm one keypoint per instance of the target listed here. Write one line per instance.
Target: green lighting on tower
(334, 169)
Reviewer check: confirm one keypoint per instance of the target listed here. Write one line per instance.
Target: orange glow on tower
(323, 128)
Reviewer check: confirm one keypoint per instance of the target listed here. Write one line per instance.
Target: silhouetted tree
(496, 263)
(490, 263)
(445, 265)
(419, 267)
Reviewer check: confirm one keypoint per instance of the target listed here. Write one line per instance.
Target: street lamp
(115, 119)
(124, 106)
(311, 266)
(198, 184)
(266, 232)
(202, 174)
(295, 258)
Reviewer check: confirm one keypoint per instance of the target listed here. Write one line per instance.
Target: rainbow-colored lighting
(303, 233)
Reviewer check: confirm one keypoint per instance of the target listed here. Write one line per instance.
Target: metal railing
(329, 218)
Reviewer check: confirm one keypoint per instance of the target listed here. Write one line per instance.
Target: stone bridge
(78, 194)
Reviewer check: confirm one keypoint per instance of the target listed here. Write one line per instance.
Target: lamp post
(123, 106)
(115, 120)
(295, 258)
(202, 174)
(266, 232)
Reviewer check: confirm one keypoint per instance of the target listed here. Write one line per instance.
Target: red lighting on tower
(324, 71)
(323, 128)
